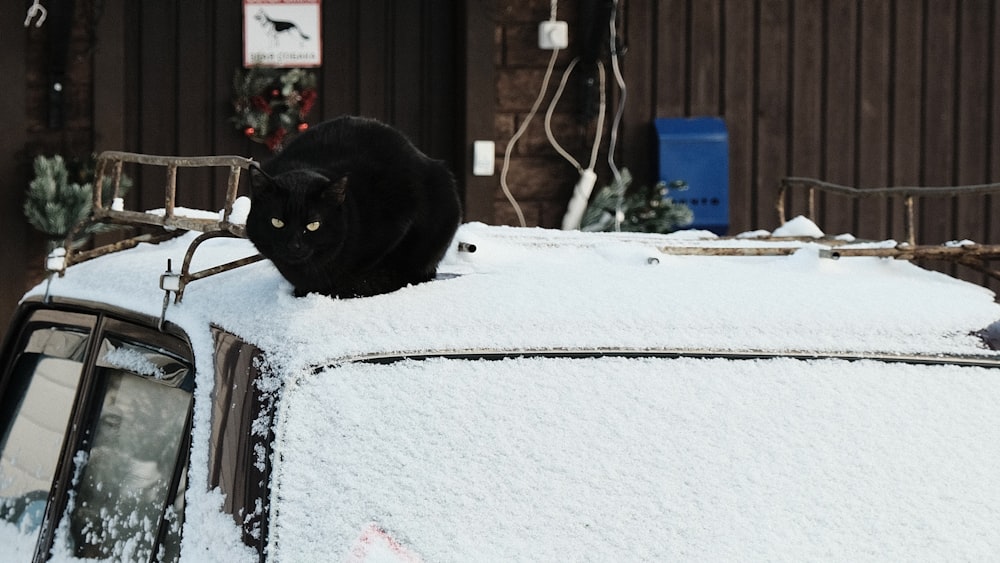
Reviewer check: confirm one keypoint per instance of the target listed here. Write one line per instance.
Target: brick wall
(539, 178)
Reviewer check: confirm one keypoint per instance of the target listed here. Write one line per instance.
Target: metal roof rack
(109, 166)
(972, 255)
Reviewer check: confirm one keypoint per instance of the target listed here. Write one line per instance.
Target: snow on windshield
(644, 459)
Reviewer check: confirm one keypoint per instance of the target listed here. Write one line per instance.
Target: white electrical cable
(585, 185)
(616, 124)
(521, 130)
(600, 117)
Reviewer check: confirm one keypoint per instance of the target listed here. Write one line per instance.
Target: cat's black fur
(385, 211)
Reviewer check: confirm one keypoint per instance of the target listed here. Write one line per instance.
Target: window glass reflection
(34, 413)
(126, 477)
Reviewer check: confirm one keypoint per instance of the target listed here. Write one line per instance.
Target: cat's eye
(312, 226)
(277, 223)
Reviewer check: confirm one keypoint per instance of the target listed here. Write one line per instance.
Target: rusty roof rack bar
(909, 194)
(110, 164)
(115, 160)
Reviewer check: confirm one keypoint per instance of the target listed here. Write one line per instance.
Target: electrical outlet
(553, 35)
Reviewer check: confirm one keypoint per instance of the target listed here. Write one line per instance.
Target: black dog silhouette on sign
(276, 29)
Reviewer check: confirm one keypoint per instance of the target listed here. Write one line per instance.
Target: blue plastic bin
(695, 150)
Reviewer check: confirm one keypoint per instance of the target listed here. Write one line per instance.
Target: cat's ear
(260, 182)
(337, 191)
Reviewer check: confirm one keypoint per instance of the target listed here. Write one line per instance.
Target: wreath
(271, 104)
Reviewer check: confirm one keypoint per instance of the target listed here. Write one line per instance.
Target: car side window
(36, 403)
(95, 417)
(128, 501)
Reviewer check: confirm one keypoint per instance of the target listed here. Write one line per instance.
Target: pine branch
(639, 209)
(54, 204)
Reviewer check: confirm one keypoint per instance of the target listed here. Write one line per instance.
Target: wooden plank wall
(859, 92)
(14, 170)
(164, 73)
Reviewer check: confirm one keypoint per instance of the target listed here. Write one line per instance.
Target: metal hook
(36, 9)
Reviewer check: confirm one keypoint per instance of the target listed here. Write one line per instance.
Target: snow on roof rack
(109, 165)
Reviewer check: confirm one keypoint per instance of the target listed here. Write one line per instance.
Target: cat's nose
(297, 250)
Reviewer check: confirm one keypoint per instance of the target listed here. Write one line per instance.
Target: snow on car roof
(542, 289)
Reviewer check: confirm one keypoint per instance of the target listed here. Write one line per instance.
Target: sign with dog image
(282, 33)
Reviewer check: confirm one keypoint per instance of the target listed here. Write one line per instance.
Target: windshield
(614, 459)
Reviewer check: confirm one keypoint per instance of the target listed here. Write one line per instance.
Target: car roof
(508, 290)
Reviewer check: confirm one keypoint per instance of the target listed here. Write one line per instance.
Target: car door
(95, 413)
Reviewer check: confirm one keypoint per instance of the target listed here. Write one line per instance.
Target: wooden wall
(865, 93)
(13, 173)
(164, 77)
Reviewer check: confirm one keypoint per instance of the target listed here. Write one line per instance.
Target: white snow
(799, 227)
(132, 360)
(959, 243)
(643, 460)
(757, 234)
(607, 459)
(241, 209)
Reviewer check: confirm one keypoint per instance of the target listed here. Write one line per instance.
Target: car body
(550, 396)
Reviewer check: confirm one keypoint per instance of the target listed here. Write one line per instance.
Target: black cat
(350, 208)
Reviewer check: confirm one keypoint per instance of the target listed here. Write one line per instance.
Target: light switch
(483, 158)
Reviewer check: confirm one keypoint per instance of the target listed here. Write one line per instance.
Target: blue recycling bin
(695, 151)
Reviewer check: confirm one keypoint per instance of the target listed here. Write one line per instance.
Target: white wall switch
(483, 158)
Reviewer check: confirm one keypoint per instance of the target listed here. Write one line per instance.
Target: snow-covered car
(551, 396)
